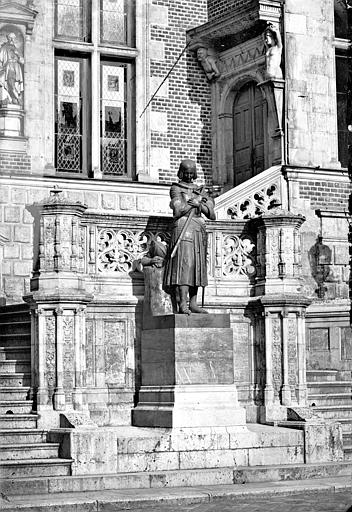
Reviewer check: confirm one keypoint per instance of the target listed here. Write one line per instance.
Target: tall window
(94, 64)
(343, 67)
(248, 130)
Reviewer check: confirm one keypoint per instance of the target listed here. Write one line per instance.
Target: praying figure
(186, 263)
(273, 51)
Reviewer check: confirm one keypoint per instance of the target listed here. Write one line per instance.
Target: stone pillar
(58, 300)
(279, 299)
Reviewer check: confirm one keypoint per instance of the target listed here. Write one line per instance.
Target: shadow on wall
(320, 258)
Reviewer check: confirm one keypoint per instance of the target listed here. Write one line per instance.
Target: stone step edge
(330, 395)
(328, 383)
(24, 446)
(106, 481)
(34, 462)
(15, 402)
(19, 416)
(181, 496)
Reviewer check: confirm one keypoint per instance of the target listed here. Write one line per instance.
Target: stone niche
(16, 25)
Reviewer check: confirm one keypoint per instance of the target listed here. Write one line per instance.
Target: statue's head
(11, 36)
(270, 37)
(202, 53)
(187, 170)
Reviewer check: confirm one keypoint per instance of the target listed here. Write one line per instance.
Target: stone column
(279, 297)
(58, 300)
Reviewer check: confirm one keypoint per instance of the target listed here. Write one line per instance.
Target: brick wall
(183, 114)
(217, 8)
(14, 162)
(326, 194)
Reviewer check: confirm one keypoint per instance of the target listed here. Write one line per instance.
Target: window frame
(97, 53)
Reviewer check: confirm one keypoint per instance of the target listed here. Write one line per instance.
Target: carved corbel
(207, 59)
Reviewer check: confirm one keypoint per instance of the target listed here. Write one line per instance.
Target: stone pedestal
(11, 121)
(187, 373)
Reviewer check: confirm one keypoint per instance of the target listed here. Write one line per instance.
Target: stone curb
(110, 500)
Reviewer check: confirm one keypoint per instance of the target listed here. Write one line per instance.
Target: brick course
(217, 8)
(14, 162)
(326, 194)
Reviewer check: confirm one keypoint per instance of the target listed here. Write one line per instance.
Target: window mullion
(95, 84)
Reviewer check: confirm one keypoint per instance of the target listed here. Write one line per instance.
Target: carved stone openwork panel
(238, 256)
(258, 203)
(119, 249)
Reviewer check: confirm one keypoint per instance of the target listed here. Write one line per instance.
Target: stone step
(13, 328)
(347, 451)
(16, 406)
(186, 477)
(15, 379)
(29, 451)
(341, 386)
(334, 411)
(318, 375)
(15, 340)
(15, 366)
(17, 353)
(330, 399)
(25, 435)
(14, 313)
(346, 424)
(13, 469)
(14, 393)
(16, 421)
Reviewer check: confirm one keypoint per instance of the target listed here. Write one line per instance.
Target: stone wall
(310, 83)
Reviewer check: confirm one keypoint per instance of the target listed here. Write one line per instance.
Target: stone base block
(188, 373)
(115, 450)
(188, 406)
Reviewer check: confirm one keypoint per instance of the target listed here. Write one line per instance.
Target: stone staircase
(24, 450)
(330, 393)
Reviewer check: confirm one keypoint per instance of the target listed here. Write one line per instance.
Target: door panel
(248, 124)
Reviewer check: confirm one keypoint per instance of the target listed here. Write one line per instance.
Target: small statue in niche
(273, 51)
(11, 75)
(208, 63)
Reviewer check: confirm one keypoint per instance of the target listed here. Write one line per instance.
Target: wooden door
(248, 131)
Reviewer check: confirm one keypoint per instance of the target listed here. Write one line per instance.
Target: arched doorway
(248, 132)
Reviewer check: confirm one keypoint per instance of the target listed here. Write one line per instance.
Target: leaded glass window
(113, 119)
(71, 133)
(115, 22)
(72, 19)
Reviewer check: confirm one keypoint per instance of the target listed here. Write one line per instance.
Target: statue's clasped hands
(196, 202)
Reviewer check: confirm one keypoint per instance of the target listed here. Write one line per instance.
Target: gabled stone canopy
(18, 13)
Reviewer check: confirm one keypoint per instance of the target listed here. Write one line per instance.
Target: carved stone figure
(208, 63)
(186, 267)
(11, 75)
(273, 51)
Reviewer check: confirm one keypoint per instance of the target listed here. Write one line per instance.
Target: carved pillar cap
(277, 217)
(58, 203)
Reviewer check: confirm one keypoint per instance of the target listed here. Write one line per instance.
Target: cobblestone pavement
(305, 502)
